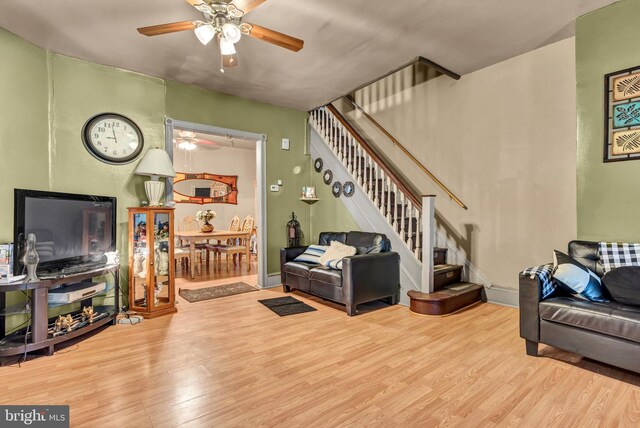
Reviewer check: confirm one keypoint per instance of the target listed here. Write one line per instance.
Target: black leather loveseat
(372, 274)
(607, 332)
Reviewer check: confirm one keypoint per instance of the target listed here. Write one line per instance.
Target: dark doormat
(215, 292)
(284, 306)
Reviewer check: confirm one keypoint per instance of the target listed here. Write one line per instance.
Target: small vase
(207, 227)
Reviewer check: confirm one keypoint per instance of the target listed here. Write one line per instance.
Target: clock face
(112, 138)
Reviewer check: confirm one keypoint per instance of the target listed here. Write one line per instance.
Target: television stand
(37, 332)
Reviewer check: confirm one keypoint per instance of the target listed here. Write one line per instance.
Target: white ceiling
(220, 141)
(347, 43)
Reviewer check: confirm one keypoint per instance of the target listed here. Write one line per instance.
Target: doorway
(212, 158)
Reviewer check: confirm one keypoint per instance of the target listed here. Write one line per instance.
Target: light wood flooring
(232, 362)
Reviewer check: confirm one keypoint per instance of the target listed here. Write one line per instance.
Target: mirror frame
(229, 180)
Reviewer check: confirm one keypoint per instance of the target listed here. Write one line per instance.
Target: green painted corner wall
(329, 213)
(608, 194)
(46, 99)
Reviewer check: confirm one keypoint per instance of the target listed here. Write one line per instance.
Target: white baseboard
(503, 296)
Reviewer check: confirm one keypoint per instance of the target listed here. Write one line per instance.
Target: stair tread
(447, 292)
(440, 269)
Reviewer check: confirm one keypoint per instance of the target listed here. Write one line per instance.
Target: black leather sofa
(607, 332)
(363, 278)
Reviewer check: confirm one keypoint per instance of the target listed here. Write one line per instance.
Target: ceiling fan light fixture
(186, 145)
(205, 33)
(226, 47)
(231, 32)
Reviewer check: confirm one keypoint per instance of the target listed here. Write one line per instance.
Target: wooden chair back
(235, 224)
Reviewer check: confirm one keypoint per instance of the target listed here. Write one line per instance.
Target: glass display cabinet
(151, 261)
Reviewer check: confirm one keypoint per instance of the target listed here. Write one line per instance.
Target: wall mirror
(204, 188)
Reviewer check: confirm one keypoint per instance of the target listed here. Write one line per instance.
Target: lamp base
(154, 190)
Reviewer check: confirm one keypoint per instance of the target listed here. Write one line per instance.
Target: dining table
(195, 236)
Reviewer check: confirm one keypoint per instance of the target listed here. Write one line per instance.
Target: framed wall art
(622, 115)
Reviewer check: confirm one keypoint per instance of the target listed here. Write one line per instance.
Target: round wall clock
(336, 189)
(348, 188)
(317, 165)
(327, 177)
(112, 138)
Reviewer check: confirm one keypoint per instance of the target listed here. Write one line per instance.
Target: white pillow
(335, 253)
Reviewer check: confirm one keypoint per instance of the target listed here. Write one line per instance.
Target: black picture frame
(610, 103)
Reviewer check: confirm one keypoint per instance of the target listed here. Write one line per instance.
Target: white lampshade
(231, 32)
(226, 47)
(155, 163)
(205, 33)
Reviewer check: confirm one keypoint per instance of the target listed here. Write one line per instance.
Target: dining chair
(240, 247)
(215, 248)
(190, 224)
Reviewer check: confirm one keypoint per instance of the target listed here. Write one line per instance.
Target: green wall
(46, 99)
(608, 194)
(329, 213)
(193, 104)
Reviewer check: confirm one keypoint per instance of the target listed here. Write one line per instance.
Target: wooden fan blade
(156, 30)
(245, 5)
(279, 39)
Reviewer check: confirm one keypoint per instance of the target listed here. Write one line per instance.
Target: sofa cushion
(326, 238)
(326, 275)
(623, 284)
(610, 318)
(312, 254)
(376, 242)
(299, 268)
(576, 278)
(335, 253)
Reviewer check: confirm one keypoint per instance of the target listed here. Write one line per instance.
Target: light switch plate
(285, 144)
(274, 187)
(279, 182)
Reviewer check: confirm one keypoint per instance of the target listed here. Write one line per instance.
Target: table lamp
(155, 163)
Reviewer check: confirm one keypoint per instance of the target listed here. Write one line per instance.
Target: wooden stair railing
(395, 201)
(406, 152)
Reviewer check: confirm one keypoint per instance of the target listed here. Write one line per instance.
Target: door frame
(261, 178)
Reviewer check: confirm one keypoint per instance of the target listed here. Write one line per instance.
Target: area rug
(284, 306)
(215, 292)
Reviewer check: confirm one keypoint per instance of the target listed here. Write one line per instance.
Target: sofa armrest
(533, 283)
(369, 277)
(288, 254)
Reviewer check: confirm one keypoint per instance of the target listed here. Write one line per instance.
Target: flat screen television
(72, 230)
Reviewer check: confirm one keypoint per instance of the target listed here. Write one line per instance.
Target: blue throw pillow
(576, 278)
(312, 254)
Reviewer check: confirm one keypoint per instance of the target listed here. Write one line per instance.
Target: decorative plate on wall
(318, 164)
(327, 177)
(348, 188)
(336, 189)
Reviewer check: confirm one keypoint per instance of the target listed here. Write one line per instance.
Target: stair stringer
(368, 217)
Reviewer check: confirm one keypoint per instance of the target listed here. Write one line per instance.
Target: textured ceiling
(347, 43)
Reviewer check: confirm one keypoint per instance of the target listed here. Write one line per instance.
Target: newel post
(428, 241)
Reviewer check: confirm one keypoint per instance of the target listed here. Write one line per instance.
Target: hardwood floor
(232, 362)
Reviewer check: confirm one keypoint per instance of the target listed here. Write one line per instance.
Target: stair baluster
(388, 200)
(409, 219)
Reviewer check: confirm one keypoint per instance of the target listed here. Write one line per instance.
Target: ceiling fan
(223, 20)
(188, 141)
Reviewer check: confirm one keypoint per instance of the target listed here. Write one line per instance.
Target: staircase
(384, 203)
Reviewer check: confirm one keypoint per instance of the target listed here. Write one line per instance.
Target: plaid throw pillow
(615, 254)
(544, 275)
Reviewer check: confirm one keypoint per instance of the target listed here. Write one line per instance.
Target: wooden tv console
(37, 330)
